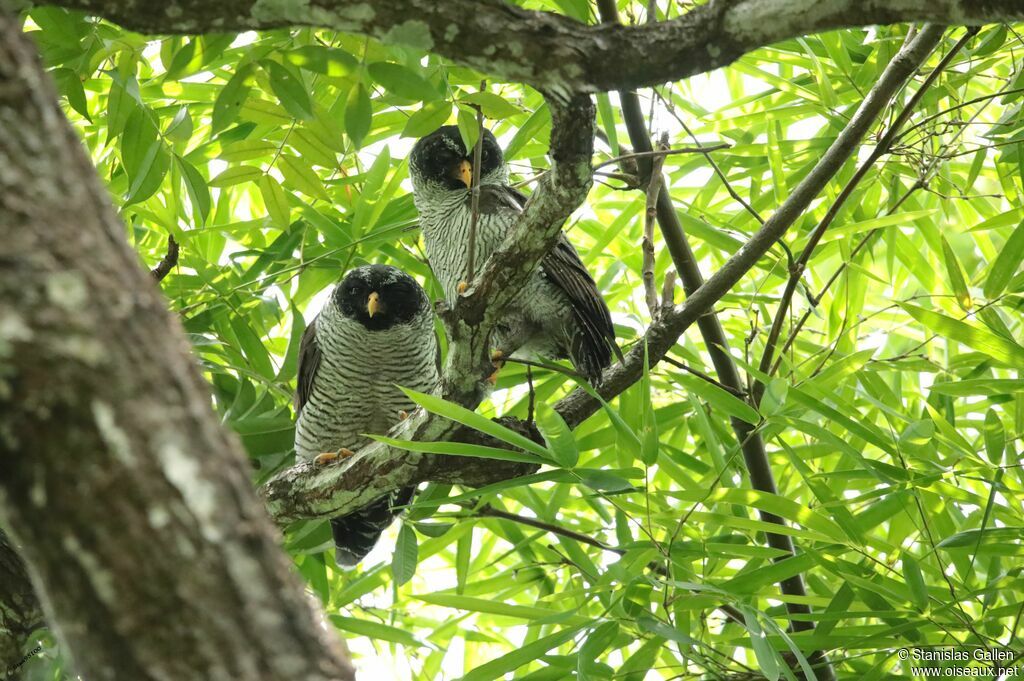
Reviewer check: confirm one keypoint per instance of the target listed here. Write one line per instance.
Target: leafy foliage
(277, 161)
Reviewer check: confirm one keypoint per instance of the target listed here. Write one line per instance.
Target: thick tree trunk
(130, 503)
(20, 612)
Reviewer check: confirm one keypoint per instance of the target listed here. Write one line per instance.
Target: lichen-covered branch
(129, 502)
(549, 51)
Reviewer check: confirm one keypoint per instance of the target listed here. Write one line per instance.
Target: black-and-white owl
(374, 334)
(560, 312)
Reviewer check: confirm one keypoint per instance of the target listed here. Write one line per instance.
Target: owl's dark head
(441, 160)
(380, 297)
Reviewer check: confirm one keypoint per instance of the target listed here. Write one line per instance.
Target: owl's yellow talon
(498, 357)
(462, 287)
(331, 457)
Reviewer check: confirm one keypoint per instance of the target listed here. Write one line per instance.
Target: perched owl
(559, 312)
(374, 334)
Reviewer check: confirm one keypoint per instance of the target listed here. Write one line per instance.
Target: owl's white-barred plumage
(559, 312)
(350, 366)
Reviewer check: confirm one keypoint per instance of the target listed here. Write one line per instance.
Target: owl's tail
(356, 534)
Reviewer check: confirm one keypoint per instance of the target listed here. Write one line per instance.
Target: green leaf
(70, 85)
(915, 581)
(984, 536)
(237, 175)
(406, 556)
(289, 89)
(230, 99)
(402, 81)
(145, 157)
(459, 414)
(995, 437)
(720, 399)
(197, 190)
(275, 200)
(329, 61)
(956, 276)
(358, 114)
(460, 449)
(558, 436)
(298, 174)
(375, 630)
(767, 658)
(982, 340)
(530, 652)
(1006, 264)
(428, 119)
(493, 106)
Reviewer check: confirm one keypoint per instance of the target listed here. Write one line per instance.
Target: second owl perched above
(559, 313)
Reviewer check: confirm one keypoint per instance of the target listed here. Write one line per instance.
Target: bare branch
(167, 263)
(549, 51)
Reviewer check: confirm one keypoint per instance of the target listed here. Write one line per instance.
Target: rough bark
(20, 612)
(550, 51)
(132, 505)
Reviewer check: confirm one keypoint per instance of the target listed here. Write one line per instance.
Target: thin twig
(168, 262)
(653, 188)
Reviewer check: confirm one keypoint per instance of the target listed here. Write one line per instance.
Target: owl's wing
(309, 362)
(592, 347)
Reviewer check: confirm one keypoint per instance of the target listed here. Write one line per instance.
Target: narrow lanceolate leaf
(956, 276)
(460, 449)
(720, 399)
(145, 156)
(1006, 263)
(275, 200)
(558, 436)
(289, 89)
(197, 190)
(496, 669)
(406, 556)
(230, 100)
(492, 105)
(428, 119)
(402, 81)
(460, 414)
(375, 630)
(915, 581)
(298, 174)
(992, 536)
(995, 437)
(982, 340)
(767, 658)
(358, 114)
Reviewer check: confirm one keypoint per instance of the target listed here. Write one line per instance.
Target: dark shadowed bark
(550, 51)
(130, 503)
(20, 612)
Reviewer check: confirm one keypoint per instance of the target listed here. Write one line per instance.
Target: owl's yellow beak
(465, 173)
(373, 304)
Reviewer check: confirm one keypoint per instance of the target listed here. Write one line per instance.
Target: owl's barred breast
(356, 389)
(538, 318)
